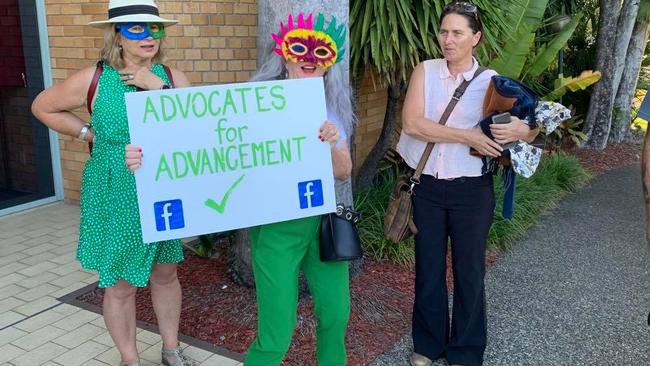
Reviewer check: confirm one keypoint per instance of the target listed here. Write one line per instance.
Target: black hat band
(132, 9)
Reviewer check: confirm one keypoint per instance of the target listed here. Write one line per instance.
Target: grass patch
(557, 175)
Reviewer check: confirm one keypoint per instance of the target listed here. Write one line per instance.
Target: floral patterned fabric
(525, 157)
(550, 115)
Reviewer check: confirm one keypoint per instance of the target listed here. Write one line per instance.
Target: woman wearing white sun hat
(110, 239)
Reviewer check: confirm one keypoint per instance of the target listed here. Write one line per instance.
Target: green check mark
(221, 206)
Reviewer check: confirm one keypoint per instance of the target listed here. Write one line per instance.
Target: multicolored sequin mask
(140, 31)
(306, 41)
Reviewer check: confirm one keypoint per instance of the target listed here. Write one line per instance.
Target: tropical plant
(533, 52)
(568, 134)
(526, 56)
(563, 85)
(205, 245)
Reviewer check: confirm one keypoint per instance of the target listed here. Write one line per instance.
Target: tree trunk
(240, 266)
(622, 115)
(366, 174)
(626, 22)
(599, 116)
(357, 84)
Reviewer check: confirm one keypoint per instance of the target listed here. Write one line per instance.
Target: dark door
(25, 159)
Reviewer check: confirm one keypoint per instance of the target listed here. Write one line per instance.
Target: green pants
(279, 252)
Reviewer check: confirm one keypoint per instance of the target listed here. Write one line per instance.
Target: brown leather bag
(398, 222)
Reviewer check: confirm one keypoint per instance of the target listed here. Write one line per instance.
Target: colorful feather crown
(306, 41)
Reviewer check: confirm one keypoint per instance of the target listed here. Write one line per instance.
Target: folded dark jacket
(507, 95)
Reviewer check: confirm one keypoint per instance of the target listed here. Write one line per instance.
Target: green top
(110, 236)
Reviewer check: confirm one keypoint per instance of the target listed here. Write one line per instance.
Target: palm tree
(627, 87)
(615, 25)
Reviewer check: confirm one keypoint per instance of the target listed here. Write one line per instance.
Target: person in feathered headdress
(306, 46)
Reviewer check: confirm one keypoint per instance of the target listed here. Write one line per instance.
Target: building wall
(215, 42)
(371, 110)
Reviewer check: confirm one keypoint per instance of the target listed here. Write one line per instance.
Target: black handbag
(339, 239)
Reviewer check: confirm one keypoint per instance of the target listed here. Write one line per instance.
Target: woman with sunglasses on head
(110, 237)
(454, 200)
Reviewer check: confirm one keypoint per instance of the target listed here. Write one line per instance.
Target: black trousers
(461, 209)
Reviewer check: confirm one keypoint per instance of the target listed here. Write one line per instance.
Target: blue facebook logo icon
(169, 215)
(311, 194)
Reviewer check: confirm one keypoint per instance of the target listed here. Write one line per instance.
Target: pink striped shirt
(448, 160)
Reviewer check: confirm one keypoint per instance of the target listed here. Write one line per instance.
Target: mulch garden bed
(219, 312)
(222, 313)
(612, 157)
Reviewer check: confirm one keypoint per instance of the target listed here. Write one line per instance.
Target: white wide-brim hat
(125, 11)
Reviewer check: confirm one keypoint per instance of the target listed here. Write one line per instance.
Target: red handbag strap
(168, 71)
(93, 86)
(91, 94)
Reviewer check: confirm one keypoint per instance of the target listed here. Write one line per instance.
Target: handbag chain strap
(415, 179)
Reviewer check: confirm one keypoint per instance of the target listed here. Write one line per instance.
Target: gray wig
(337, 94)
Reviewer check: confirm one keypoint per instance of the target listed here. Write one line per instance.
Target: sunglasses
(462, 7)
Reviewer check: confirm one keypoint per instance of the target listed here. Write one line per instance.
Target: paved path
(37, 266)
(576, 290)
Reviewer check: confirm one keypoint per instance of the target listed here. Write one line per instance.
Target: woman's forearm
(63, 122)
(424, 129)
(341, 163)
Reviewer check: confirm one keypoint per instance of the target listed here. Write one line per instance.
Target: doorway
(26, 173)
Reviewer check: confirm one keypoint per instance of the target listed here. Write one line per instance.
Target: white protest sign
(224, 157)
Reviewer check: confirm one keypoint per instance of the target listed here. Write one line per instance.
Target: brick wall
(371, 109)
(215, 42)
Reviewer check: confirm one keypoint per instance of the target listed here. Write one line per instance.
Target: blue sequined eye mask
(140, 31)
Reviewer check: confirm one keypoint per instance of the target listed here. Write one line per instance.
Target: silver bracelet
(84, 131)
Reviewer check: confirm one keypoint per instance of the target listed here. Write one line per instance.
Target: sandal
(180, 359)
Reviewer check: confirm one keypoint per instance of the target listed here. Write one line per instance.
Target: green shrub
(557, 175)
(372, 204)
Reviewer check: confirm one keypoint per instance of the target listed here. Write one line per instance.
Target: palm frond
(548, 52)
(581, 82)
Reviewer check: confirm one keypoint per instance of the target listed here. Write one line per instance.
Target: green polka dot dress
(110, 236)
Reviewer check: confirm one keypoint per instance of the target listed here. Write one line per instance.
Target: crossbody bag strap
(443, 120)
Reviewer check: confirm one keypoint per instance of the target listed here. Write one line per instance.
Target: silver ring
(130, 76)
